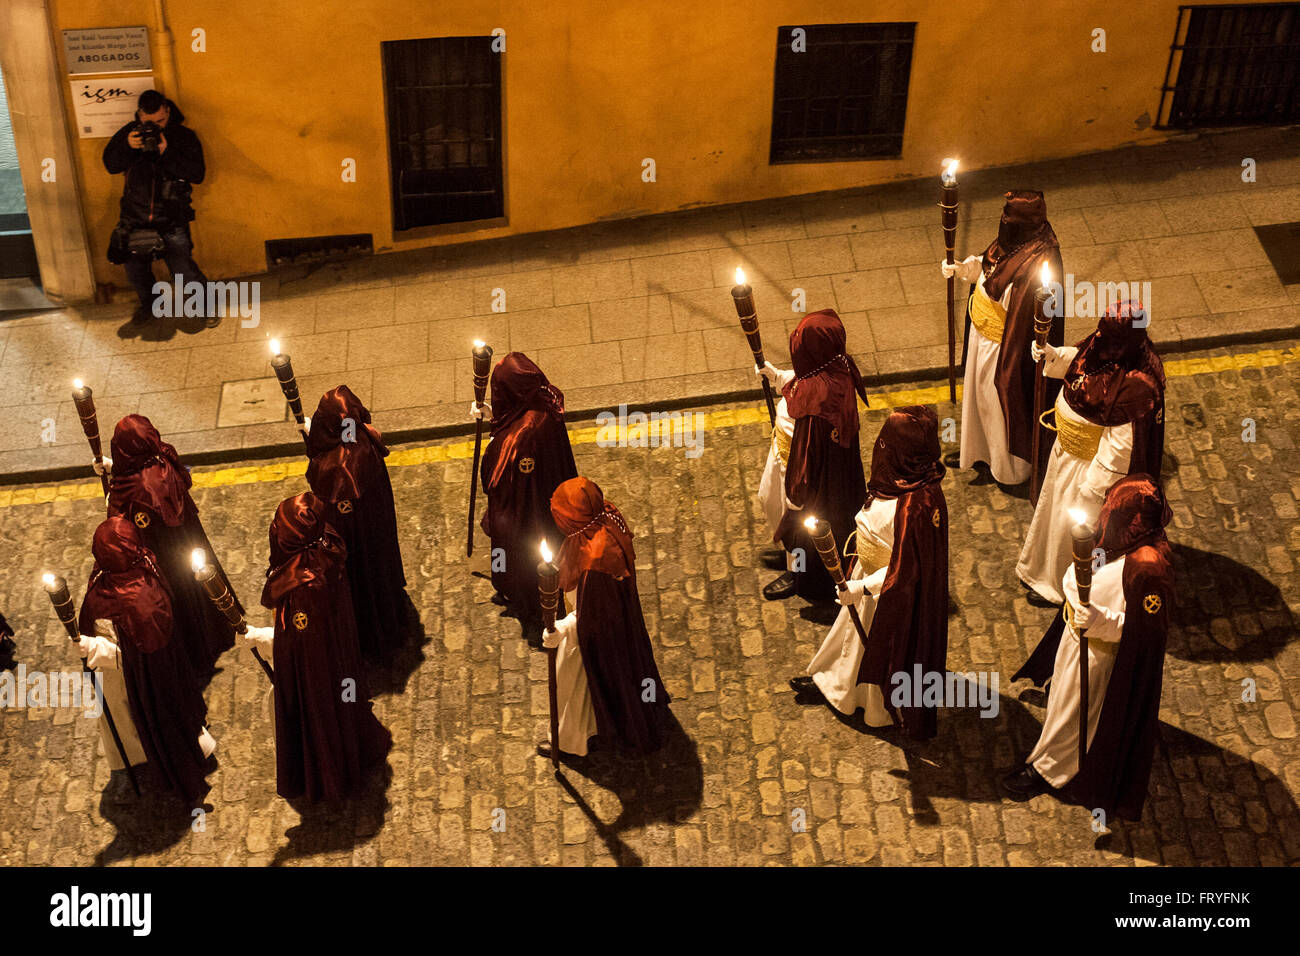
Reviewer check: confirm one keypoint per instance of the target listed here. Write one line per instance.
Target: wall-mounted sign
(108, 50)
(102, 106)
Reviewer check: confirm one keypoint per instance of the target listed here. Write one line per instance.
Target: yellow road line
(706, 421)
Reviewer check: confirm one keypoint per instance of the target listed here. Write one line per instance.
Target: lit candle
(84, 399)
(548, 592)
(283, 367)
(742, 297)
(948, 218)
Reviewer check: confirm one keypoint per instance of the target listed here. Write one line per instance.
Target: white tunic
(1069, 482)
(577, 715)
(1056, 756)
(983, 425)
(771, 488)
(834, 668)
(105, 658)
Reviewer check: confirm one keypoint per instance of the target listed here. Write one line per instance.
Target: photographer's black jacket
(144, 198)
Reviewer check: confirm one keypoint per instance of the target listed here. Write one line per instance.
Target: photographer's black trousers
(177, 253)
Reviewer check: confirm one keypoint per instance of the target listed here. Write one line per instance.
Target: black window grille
(844, 96)
(1237, 65)
(444, 130)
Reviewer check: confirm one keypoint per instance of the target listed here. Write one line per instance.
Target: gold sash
(782, 442)
(872, 556)
(1078, 438)
(987, 316)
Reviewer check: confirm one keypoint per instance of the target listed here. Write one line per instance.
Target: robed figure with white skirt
(997, 410)
(1109, 422)
(607, 682)
(898, 580)
(1126, 625)
(127, 628)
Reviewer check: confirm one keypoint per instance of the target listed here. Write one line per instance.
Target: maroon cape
(627, 694)
(528, 457)
(1025, 239)
(1117, 378)
(347, 470)
(150, 488)
(910, 626)
(823, 475)
(1117, 766)
(166, 701)
(326, 734)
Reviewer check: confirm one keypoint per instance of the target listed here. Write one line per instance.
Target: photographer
(161, 158)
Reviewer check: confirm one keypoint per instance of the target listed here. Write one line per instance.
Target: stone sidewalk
(639, 311)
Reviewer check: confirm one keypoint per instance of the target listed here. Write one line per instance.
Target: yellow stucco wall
(285, 91)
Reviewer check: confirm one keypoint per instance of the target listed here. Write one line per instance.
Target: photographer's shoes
(141, 315)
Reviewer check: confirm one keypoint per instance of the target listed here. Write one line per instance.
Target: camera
(149, 135)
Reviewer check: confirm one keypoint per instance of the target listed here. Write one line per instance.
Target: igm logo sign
(77, 909)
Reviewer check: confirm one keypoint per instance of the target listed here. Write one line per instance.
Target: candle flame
(740, 276)
(1046, 274)
(275, 346)
(1078, 515)
(78, 384)
(48, 580)
(198, 560)
(546, 552)
(950, 169)
(810, 522)
(479, 343)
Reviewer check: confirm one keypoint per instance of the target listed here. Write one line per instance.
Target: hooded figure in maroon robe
(150, 488)
(347, 472)
(823, 475)
(910, 624)
(326, 734)
(1025, 239)
(627, 694)
(127, 589)
(1116, 377)
(527, 459)
(1117, 765)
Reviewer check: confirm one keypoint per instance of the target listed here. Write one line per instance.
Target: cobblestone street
(748, 762)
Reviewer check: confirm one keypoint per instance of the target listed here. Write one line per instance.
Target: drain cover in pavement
(254, 401)
(1282, 243)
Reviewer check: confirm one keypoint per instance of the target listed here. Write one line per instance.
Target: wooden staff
(220, 594)
(57, 588)
(482, 366)
(283, 366)
(1042, 325)
(1082, 538)
(743, 297)
(824, 538)
(948, 203)
(548, 590)
(84, 399)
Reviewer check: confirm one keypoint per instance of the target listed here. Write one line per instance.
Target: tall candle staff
(84, 399)
(743, 297)
(482, 355)
(283, 366)
(220, 594)
(948, 205)
(57, 588)
(1082, 537)
(548, 590)
(824, 538)
(1042, 325)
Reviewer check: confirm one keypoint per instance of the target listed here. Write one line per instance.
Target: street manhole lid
(1282, 243)
(253, 401)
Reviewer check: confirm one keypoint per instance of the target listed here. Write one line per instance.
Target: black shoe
(803, 684)
(952, 459)
(499, 599)
(141, 315)
(1024, 783)
(774, 559)
(781, 588)
(1037, 600)
(544, 749)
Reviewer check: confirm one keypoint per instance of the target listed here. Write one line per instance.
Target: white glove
(1049, 352)
(259, 638)
(853, 591)
(1083, 616)
(778, 377)
(305, 427)
(968, 270)
(476, 411)
(84, 645)
(103, 468)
